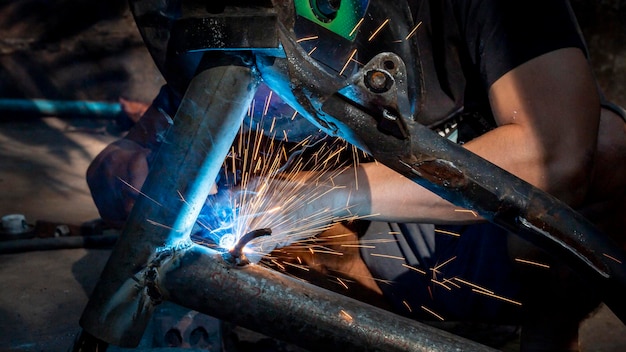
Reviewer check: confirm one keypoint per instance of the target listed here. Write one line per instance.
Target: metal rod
(177, 186)
(269, 302)
(237, 255)
(54, 243)
(469, 181)
(44, 107)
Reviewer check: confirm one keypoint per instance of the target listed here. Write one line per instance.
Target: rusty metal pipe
(269, 302)
(469, 181)
(177, 186)
(153, 261)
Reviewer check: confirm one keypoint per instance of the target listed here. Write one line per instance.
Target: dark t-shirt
(466, 45)
(459, 50)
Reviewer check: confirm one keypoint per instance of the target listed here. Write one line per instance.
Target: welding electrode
(237, 252)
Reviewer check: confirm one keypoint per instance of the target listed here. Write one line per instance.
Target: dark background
(86, 49)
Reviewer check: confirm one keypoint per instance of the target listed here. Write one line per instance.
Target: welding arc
(237, 251)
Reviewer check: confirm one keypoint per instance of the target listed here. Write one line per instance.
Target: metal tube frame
(154, 259)
(173, 194)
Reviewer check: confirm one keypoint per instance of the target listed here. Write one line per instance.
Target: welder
(511, 82)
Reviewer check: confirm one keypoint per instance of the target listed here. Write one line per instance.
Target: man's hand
(115, 177)
(295, 208)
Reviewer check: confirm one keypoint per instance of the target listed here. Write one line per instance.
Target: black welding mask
(322, 46)
(178, 32)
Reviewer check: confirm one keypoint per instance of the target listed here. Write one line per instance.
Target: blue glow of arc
(217, 219)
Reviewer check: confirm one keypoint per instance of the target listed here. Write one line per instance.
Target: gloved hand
(115, 177)
(294, 208)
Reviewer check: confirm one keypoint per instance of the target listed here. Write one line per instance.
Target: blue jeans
(429, 271)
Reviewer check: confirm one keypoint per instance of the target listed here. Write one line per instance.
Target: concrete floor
(42, 293)
(42, 177)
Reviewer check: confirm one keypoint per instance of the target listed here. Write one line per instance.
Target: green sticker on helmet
(338, 16)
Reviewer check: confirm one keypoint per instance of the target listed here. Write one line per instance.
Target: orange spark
(467, 211)
(267, 103)
(386, 256)
(378, 30)
(138, 191)
(433, 313)
(347, 62)
(339, 235)
(326, 252)
(152, 222)
(473, 285)
(448, 232)
(304, 39)
(448, 281)
(440, 284)
(346, 316)
(413, 31)
(356, 27)
(497, 297)
(182, 198)
(342, 283)
(612, 258)
(278, 264)
(524, 261)
(443, 264)
(301, 267)
(414, 269)
(357, 246)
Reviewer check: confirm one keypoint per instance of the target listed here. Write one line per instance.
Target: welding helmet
(339, 35)
(330, 26)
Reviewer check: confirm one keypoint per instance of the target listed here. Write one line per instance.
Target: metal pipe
(54, 243)
(294, 311)
(469, 181)
(177, 186)
(44, 107)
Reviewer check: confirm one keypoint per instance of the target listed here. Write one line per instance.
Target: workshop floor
(42, 293)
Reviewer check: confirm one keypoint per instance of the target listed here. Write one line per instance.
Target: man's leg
(555, 299)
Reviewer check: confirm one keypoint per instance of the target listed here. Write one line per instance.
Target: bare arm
(547, 111)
